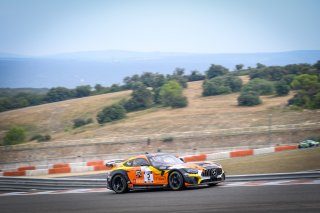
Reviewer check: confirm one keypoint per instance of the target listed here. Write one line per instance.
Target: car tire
(119, 184)
(176, 181)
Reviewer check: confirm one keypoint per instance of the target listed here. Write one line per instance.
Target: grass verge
(278, 162)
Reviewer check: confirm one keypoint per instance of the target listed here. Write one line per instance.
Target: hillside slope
(202, 114)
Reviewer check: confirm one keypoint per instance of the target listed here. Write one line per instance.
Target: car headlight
(191, 171)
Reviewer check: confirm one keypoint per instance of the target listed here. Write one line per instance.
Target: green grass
(279, 162)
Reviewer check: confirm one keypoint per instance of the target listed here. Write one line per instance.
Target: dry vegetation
(203, 113)
(289, 161)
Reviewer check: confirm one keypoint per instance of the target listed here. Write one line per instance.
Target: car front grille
(211, 172)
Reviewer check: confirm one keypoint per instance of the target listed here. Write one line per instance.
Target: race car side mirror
(109, 164)
(181, 159)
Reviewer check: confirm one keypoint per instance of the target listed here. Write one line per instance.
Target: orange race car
(162, 170)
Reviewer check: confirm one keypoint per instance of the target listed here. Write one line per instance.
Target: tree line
(281, 78)
(304, 79)
(154, 89)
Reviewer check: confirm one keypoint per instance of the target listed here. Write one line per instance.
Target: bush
(216, 70)
(78, 122)
(167, 139)
(41, 138)
(214, 88)
(249, 99)
(221, 85)
(171, 95)
(196, 76)
(260, 86)
(179, 102)
(111, 113)
(308, 94)
(141, 98)
(282, 88)
(14, 136)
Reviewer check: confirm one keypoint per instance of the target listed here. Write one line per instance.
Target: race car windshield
(164, 160)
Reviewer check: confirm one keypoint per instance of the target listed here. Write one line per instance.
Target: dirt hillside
(202, 114)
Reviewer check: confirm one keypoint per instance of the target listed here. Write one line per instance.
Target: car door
(144, 175)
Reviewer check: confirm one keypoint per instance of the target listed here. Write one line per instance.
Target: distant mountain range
(108, 67)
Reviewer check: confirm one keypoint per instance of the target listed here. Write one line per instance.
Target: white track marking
(227, 184)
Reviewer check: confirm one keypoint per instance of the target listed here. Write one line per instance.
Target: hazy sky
(39, 27)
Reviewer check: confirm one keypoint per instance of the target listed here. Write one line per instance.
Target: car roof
(157, 154)
(149, 155)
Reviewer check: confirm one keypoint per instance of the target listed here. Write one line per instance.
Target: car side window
(140, 162)
(129, 163)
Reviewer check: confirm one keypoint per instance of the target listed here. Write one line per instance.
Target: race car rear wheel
(176, 181)
(119, 184)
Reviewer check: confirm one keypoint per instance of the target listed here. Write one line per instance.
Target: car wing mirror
(109, 165)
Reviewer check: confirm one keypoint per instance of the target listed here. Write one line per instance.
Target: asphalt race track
(267, 198)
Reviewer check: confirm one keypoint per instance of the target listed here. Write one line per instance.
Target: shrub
(167, 139)
(111, 113)
(171, 95)
(14, 136)
(216, 70)
(221, 85)
(308, 91)
(249, 99)
(260, 86)
(78, 122)
(282, 88)
(41, 138)
(214, 88)
(179, 102)
(141, 98)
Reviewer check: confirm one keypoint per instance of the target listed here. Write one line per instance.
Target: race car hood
(196, 165)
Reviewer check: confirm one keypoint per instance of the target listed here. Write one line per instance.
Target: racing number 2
(148, 176)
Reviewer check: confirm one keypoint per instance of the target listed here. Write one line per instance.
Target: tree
(59, 94)
(83, 91)
(308, 90)
(196, 76)
(221, 85)
(115, 88)
(249, 99)
(239, 67)
(171, 93)
(215, 86)
(234, 82)
(272, 73)
(216, 70)
(259, 65)
(260, 86)
(98, 88)
(153, 80)
(317, 65)
(282, 88)
(111, 113)
(178, 75)
(306, 82)
(141, 98)
(179, 102)
(14, 136)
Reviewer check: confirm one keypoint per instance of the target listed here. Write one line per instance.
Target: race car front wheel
(176, 181)
(119, 184)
